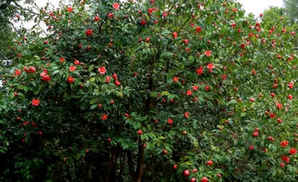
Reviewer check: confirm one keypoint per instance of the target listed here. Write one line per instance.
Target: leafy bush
(154, 91)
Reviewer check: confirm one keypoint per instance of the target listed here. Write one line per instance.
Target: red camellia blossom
(210, 67)
(140, 132)
(207, 88)
(291, 84)
(175, 35)
(104, 117)
(270, 138)
(284, 143)
(193, 180)
(204, 179)
(278, 106)
(89, 32)
(61, 59)
(200, 70)
(17, 72)
(170, 121)
(116, 6)
(255, 133)
(44, 76)
(195, 87)
(115, 76)
(72, 68)
(96, 18)
(189, 92)
(185, 41)
(290, 97)
(76, 62)
(186, 172)
(186, 115)
(108, 79)
(292, 151)
(253, 72)
(35, 102)
(210, 163)
(70, 79)
(208, 53)
(198, 29)
(175, 79)
(117, 83)
(102, 70)
(285, 158)
(282, 164)
(31, 69)
(175, 166)
(69, 9)
(251, 147)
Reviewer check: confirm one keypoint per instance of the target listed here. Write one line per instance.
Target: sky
(251, 6)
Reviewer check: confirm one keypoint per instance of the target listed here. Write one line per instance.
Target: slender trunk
(140, 168)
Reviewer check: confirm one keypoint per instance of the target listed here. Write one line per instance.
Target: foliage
(151, 91)
(292, 9)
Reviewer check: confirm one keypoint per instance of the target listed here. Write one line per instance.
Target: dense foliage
(152, 91)
(292, 9)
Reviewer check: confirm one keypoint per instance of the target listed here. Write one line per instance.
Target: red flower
(185, 41)
(175, 79)
(116, 6)
(198, 29)
(284, 143)
(282, 164)
(44, 76)
(108, 79)
(204, 179)
(291, 84)
(70, 79)
(251, 147)
(279, 120)
(115, 76)
(89, 32)
(175, 35)
(117, 83)
(140, 132)
(255, 133)
(69, 9)
(292, 151)
(35, 102)
(170, 121)
(208, 53)
(189, 92)
(210, 66)
(61, 60)
(207, 88)
(102, 70)
(110, 15)
(290, 97)
(195, 87)
(285, 158)
(200, 70)
(278, 106)
(210, 163)
(224, 77)
(270, 138)
(96, 18)
(76, 62)
(104, 117)
(253, 72)
(186, 115)
(31, 69)
(17, 72)
(72, 68)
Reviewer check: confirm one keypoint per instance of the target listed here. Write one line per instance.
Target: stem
(140, 168)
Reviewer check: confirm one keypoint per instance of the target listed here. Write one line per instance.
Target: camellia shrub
(151, 91)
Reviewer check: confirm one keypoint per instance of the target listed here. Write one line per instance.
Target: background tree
(151, 91)
(292, 9)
